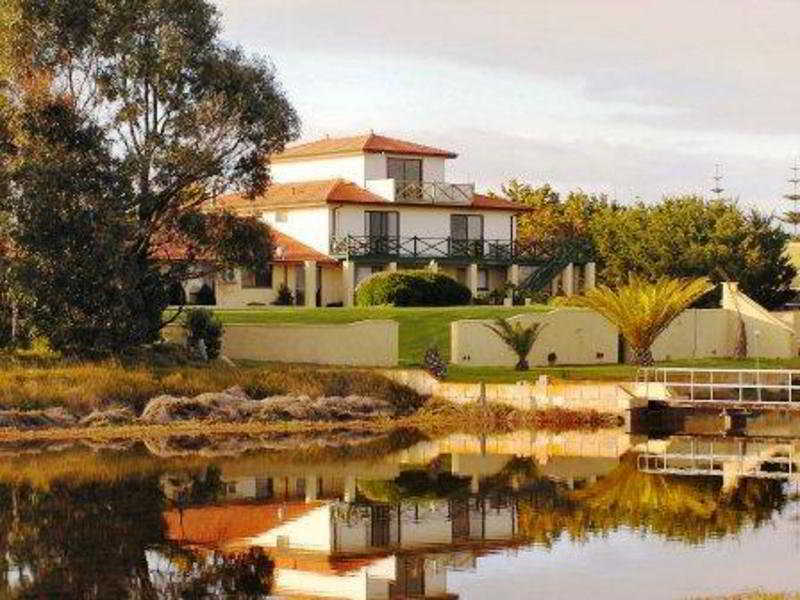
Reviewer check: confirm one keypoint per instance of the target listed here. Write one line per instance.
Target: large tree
(133, 116)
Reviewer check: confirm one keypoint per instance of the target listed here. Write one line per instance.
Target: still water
(530, 514)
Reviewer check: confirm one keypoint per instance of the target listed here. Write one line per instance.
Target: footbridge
(762, 389)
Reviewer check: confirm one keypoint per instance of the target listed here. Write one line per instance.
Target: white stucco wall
(351, 168)
(356, 168)
(310, 226)
(424, 222)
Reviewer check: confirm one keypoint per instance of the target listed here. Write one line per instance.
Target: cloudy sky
(635, 98)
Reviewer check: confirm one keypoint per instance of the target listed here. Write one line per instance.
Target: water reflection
(384, 518)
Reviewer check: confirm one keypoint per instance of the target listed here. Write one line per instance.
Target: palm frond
(643, 310)
(519, 338)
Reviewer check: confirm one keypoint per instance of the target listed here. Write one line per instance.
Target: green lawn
(606, 372)
(419, 327)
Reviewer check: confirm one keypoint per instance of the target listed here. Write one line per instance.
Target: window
(382, 230)
(258, 279)
(466, 232)
(281, 216)
(483, 280)
(407, 170)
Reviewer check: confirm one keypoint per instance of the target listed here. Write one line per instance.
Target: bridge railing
(746, 386)
(775, 462)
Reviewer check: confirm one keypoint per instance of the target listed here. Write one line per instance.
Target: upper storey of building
(395, 170)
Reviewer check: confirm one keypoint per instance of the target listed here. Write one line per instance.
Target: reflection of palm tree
(688, 509)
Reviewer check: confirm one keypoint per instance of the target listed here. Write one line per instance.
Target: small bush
(285, 297)
(411, 288)
(201, 324)
(433, 363)
(205, 296)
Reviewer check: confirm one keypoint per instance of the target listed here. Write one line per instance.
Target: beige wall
(767, 335)
(362, 344)
(696, 333)
(576, 336)
(581, 336)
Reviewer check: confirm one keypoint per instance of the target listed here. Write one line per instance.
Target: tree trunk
(14, 322)
(643, 357)
(522, 365)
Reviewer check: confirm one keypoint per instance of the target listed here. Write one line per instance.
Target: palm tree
(518, 338)
(642, 310)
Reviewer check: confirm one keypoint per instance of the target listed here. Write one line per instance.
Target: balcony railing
(499, 251)
(433, 192)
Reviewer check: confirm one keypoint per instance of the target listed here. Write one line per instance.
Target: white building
(345, 208)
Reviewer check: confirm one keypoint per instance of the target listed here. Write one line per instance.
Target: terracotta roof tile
(496, 202)
(226, 525)
(288, 250)
(370, 143)
(337, 191)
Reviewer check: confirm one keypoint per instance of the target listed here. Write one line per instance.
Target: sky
(632, 98)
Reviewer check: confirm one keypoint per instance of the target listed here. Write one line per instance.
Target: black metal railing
(501, 251)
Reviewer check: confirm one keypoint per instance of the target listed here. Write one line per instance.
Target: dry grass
(85, 387)
(439, 417)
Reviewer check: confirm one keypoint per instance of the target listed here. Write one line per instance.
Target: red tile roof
(368, 143)
(287, 250)
(228, 525)
(306, 193)
(339, 191)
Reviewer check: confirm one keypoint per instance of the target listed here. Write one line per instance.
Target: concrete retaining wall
(371, 343)
(605, 397)
(570, 335)
(576, 336)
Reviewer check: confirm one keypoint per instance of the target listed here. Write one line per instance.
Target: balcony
(447, 249)
(424, 192)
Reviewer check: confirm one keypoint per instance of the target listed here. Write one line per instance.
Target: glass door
(407, 175)
(466, 235)
(382, 229)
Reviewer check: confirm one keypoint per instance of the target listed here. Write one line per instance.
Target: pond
(607, 514)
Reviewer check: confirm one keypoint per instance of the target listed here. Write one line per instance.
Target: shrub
(205, 296)
(411, 288)
(201, 324)
(285, 297)
(433, 363)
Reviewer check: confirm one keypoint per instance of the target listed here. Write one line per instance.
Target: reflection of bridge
(732, 459)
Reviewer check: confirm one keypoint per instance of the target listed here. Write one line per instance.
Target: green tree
(136, 116)
(642, 310)
(689, 236)
(553, 220)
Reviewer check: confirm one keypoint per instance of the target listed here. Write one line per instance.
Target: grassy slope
(607, 372)
(419, 327)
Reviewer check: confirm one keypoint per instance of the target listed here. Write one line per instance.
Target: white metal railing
(747, 386)
(712, 462)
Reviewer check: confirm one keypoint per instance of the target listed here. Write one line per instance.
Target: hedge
(411, 288)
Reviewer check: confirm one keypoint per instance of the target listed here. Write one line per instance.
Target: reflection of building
(329, 540)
